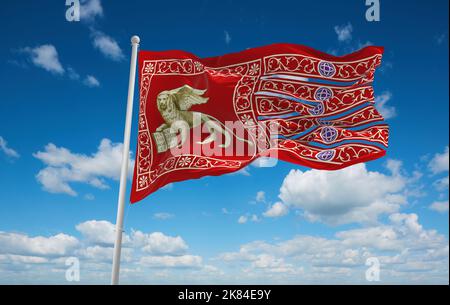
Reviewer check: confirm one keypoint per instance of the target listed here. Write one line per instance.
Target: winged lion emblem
(174, 106)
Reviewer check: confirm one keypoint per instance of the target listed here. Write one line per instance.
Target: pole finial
(135, 39)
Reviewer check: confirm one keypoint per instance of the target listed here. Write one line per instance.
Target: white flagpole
(124, 169)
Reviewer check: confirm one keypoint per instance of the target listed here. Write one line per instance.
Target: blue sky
(62, 112)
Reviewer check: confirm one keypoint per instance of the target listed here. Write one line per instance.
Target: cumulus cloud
(439, 163)
(439, 206)
(183, 261)
(8, 151)
(103, 233)
(107, 45)
(255, 218)
(91, 81)
(401, 246)
(25, 255)
(278, 209)
(89, 197)
(157, 243)
(90, 10)
(381, 101)
(272, 264)
(22, 259)
(245, 218)
(260, 196)
(64, 167)
(353, 194)
(96, 253)
(388, 237)
(72, 74)
(21, 244)
(344, 32)
(242, 219)
(45, 57)
(407, 251)
(103, 254)
(98, 232)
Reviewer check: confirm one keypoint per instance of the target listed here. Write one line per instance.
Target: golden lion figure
(174, 107)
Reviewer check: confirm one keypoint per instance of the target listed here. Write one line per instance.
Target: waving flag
(211, 116)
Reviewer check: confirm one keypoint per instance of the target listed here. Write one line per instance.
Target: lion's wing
(188, 96)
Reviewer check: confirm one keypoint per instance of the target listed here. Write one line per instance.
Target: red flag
(212, 116)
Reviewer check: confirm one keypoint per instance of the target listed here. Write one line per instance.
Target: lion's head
(165, 102)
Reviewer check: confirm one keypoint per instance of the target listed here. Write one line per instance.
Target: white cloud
(395, 167)
(242, 219)
(255, 218)
(277, 210)
(73, 75)
(104, 254)
(183, 261)
(157, 243)
(246, 218)
(89, 197)
(272, 264)
(439, 206)
(46, 57)
(91, 81)
(163, 216)
(97, 253)
(22, 259)
(98, 232)
(439, 163)
(404, 236)
(410, 220)
(227, 37)
(21, 244)
(107, 46)
(260, 196)
(353, 194)
(7, 150)
(407, 252)
(90, 9)
(42, 259)
(344, 32)
(64, 167)
(386, 111)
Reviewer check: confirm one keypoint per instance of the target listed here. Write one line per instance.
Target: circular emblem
(326, 69)
(325, 155)
(317, 110)
(328, 134)
(323, 93)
